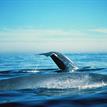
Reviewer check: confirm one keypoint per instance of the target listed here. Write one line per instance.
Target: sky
(53, 25)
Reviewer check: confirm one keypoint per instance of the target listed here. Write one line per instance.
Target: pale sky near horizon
(58, 25)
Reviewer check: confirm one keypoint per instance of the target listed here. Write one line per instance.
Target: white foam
(73, 83)
(34, 70)
(93, 85)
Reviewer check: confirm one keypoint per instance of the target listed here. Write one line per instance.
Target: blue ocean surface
(88, 88)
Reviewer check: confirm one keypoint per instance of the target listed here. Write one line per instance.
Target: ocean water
(86, 88)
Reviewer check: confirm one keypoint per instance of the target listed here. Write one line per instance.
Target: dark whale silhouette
(63, 62)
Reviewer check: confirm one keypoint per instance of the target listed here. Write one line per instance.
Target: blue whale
(61, 79)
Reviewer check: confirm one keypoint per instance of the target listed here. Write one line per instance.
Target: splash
(80, 83)
(93, 85)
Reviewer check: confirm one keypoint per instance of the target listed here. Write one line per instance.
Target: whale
(65, 64)
(58, 81)
(62, 61)
(62, 79)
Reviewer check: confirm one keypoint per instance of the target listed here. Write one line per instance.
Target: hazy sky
(68, 25)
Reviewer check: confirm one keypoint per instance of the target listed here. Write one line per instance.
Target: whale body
(61, 79)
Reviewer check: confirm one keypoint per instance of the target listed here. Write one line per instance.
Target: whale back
(54, 80)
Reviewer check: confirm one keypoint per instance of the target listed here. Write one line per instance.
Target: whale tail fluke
(63, 62)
